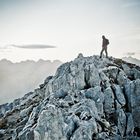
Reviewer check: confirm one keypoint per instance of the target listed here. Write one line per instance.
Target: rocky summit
(87, 99)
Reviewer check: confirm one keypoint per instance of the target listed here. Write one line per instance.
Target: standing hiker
(105, 42)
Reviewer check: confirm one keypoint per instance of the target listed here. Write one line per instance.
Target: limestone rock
(109, 101)
(119, 94)
(50, 125)
(121, 122)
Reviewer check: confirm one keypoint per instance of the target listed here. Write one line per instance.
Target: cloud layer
(34, 46)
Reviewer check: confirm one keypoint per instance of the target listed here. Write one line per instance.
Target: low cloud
(130, 53)
(8, 48)
(34, 46)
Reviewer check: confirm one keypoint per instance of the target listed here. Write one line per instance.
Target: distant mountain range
(16, 79)
(132, 60)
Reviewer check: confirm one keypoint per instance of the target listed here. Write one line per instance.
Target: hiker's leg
(106, 52)
(101, 52)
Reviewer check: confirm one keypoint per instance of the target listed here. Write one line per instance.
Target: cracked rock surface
(87, 99)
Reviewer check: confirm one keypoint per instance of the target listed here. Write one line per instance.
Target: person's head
(103, 37)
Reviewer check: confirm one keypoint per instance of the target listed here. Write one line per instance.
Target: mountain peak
(88, 98)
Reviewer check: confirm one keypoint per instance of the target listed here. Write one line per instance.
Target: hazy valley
(16, 79)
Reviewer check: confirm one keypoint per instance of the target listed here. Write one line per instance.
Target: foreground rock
(87, 99)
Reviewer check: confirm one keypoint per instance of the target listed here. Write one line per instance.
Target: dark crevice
(126, 125)
(69, 136)
(93, 136)
(137, 131)
(138, 68)
(113, 90)
(127, 108)
(70, 104)
(86, 78)
(78, 114)
(102, 85)
(131, 77)
(87, 85)
(75, 101)
(113, 118)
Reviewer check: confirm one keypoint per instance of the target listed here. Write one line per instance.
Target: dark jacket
(105, 42)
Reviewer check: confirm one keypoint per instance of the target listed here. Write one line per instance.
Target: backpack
(107, 41)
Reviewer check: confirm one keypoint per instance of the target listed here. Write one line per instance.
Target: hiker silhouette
(105, 42)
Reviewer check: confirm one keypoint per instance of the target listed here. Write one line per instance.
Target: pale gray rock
(135, 102)
(85, 130)
(104, 80)
(118, 106)
(121, 122)
(25, 112)
(136, 73)
(60, 93)
(102, 136)
(109, 101)
(127, 70)
(72, 123)
(93, 78)
(122, 78)
(87, 107)
(119, 94)
(96, 95)
(130, 124)
(111, 72)
(50, 125)
(128, 88)
(26, 135)
(136, 116)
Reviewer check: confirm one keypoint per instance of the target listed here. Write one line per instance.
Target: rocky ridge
(87, 99)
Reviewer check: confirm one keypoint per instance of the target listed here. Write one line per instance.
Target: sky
(61, 29)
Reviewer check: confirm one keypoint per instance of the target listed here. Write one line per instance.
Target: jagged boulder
(50, 125)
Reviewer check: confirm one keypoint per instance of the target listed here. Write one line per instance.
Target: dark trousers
(104, 48)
